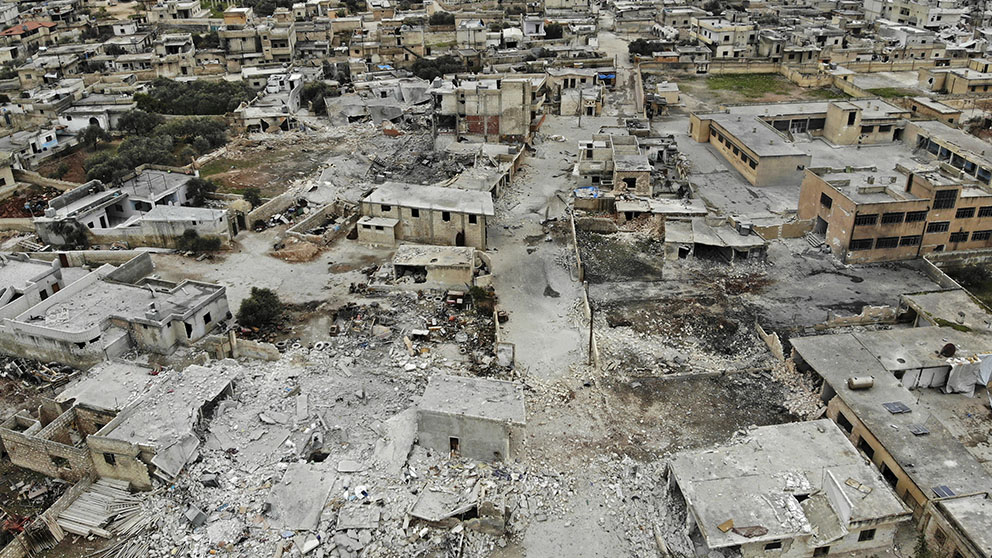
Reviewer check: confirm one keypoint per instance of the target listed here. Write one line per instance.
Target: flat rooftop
(78, 311)
(973, 515)
(756, 135)
(435, 198)
(936, 459)
(109, 386)
(935, 105)
(475, 397)
(17, 273)
(756, 483)
(434, 256)
(868, 186)
(955, 306)
(151, 184)
(958, 138)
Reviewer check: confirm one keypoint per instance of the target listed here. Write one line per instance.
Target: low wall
(21, 224)
(81, 258)
(350, 217)
(276, 205)
(794, 229)
(869, 315)
(31, 177)
(937, 275)
(848, 87)
(134, 269)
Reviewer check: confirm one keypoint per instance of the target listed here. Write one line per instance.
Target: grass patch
(959, 327)
(753, 86)
(825, 93)
(892, 92)
(977, 279)
(216, 11)
(223, 164)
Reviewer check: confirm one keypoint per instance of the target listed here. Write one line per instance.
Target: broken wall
(480, 439)
(41, 452)
(117, 459)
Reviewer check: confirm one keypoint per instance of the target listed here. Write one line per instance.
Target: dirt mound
(297, 252)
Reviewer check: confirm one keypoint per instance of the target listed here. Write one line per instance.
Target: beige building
(427, 214)
(725, 39)
(494, 108)
(866, 376)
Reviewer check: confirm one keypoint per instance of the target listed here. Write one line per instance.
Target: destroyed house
(798, 489)
(494, 109)
(444, 266)
(427, 214)
(865, 381)
(473, 417)
(102, 315)
(156, 435)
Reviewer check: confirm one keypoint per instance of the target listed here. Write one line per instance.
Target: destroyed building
(474, 417)
(156, 436)
(429, 214)
(434, 266)
(797, 489)
(867, 378)
(508, 108)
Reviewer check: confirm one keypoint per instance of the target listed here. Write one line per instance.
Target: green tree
(314, 92)
(207, 40)
(195, 97)
(60, 171)
(262, 307)
(197, 190)
(191, 241)
(139, 122)
(106, 166)
(429, 69)
(253, 196)
(442, 18)
(93, 134)
(553, 31)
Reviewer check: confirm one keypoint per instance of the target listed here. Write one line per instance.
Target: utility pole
(585, 285)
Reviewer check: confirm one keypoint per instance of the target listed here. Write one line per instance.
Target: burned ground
(620, 257)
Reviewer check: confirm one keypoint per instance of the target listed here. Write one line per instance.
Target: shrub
(191, 241)
(262, 307)
(252, 196)
(442, 18)
(198, 189)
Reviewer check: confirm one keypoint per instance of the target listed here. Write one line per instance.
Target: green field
(825, 93)
(753, 86)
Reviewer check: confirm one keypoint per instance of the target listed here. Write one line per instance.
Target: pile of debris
(32, 372)
(287, 216)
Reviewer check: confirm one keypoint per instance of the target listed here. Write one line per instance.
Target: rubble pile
(33, 372)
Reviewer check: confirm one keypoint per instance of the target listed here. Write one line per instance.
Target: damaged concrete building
(496, 109)
(712, 238)
(109, 311)
(429, 214)
(867, 378)
(476, 418)
(156, 436)
(438, 267)
(797, 490)
(149, 208)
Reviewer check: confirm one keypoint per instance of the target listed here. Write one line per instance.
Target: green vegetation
(191, 241)
(750, 85)
(430, 69)
(198, 190)
(252, 196)
(442, 18)
(208, 40)
(194, 97)
(92, 135)
(958, 327)
(976, 278)
(262, 307)
(642, 47)
(223, 164)
(314, 92)
(891, 92)
(216, 11)
(553, 31)
(169, 143)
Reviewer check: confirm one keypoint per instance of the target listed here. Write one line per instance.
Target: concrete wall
(479, 439)
(47, 456)
(430, 226)
(128, 463)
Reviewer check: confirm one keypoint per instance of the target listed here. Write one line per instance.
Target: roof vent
(860, 382)
(948, 350)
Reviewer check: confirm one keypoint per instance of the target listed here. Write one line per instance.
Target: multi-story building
(726, 39)
(174, 10)
(494, 108)
(929, 14)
